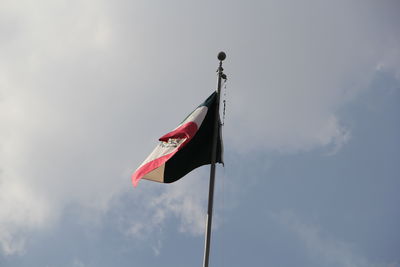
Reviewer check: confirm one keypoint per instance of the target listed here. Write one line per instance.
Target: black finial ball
(221, 56)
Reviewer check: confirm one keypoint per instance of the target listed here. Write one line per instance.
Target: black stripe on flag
(198, 151)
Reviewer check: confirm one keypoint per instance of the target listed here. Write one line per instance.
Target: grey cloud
(323, 249)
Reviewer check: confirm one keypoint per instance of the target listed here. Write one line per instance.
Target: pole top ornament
(221, 56)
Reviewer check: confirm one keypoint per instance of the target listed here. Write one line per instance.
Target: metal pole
(221, 57)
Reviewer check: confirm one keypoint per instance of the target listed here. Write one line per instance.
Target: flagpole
(221, 57)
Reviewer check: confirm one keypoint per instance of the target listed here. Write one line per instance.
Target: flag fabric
(185, 148)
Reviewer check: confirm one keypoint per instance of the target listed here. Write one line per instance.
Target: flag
(185, 148)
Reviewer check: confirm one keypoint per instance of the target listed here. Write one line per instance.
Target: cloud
(185, 200)
(20, 208)
(322, 248)
(82, 84)
(51, 142)
(77, 263)
(314, 58)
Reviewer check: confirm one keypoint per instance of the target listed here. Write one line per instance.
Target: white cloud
(51, 146)
(315, 57)
(185, 200)
(20, 208)
(78, 263)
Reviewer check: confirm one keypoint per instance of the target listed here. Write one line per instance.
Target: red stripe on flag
(149, 166)
(187, 130)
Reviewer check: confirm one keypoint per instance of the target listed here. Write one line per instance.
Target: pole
(221, 57)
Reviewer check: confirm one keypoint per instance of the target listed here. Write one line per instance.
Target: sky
(312, 171)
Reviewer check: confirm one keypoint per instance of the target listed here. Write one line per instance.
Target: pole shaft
(212, 172)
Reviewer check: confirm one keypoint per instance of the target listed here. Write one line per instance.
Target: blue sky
(311, 173)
